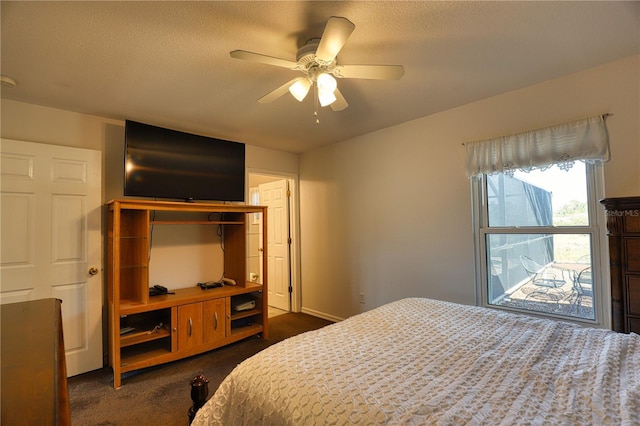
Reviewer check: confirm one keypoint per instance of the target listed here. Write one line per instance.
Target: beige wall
(388, 214)
(35, 123)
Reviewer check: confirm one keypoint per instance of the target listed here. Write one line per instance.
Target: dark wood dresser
(623, 228)
(34, 374)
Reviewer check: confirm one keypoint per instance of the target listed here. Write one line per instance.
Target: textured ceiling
(168, 63)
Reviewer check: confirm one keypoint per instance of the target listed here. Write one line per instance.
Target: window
(537, 221)
(538, 241)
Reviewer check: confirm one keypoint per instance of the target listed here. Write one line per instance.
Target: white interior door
(274, 196)
(50, 204)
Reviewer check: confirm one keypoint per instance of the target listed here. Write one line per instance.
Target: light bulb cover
(300, 88)
(326, 83)
(326, 98)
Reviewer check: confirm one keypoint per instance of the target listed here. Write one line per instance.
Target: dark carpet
(161, 395)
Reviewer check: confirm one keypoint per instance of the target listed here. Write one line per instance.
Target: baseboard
(321, 315)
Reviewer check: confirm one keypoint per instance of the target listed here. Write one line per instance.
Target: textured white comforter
(423, 362)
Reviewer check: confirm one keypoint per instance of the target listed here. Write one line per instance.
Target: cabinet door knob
(93, 271)
(190, 327)
(215, 321)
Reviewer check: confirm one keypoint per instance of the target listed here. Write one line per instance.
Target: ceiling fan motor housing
(307, 53)
(308, 63)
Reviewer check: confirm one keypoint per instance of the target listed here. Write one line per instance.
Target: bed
(421, 362)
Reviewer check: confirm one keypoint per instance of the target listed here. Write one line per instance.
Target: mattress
(420, 361)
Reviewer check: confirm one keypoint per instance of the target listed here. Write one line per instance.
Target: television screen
(165, 163)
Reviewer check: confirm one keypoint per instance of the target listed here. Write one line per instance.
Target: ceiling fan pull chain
(315, 103)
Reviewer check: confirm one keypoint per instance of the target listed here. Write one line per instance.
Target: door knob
(93, 271)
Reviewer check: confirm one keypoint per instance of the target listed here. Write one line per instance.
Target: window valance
(585, 140)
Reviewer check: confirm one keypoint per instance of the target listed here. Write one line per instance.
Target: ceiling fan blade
(335, 35)
(275, 94)
(375, 72)
(340, 103)
(264, 59)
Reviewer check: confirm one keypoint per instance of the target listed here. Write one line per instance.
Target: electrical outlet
(362, 298)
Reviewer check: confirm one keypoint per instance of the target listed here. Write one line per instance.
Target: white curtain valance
(586, 140)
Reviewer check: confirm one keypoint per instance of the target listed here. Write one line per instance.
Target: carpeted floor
(161, 395)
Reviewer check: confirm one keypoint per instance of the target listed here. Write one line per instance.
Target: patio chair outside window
(539, 274)
(583, 284)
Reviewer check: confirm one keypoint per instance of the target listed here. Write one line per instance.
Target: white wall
(388, 214)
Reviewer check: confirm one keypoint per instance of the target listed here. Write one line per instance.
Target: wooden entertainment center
(149, 330)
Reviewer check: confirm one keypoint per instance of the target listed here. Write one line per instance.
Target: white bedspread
(423, 362)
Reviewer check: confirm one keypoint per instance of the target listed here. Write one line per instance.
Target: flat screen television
(164, 163)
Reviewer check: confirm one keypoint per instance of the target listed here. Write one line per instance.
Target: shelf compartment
(245, 314)
(144, 355)
(146, 327)
(246, 331)
(134, 223)
(194, 222)
(134, 251)
(246, 319)
(136, 337)
(197, 218)
(134, 284)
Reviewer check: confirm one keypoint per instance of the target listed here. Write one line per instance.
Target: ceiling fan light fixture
(326, 86)
(300, 88)
(326, 98)
(326, 83)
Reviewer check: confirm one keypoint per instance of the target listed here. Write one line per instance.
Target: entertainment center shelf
(184, 296)
(147, 330)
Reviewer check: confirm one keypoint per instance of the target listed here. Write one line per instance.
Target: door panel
(274, 196)
(18, 245)
(73, 298)
(51, 238)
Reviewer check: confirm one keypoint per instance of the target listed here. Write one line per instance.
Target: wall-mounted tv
(164, 163)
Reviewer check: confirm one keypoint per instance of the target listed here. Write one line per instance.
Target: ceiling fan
(317, 61)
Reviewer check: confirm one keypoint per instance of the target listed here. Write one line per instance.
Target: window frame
(599, 246)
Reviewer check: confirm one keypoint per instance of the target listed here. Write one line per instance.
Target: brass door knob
(93, 271)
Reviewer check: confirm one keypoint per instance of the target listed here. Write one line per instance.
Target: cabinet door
(214, 320)
(633, 294)
(632, 254)
(189, 326)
